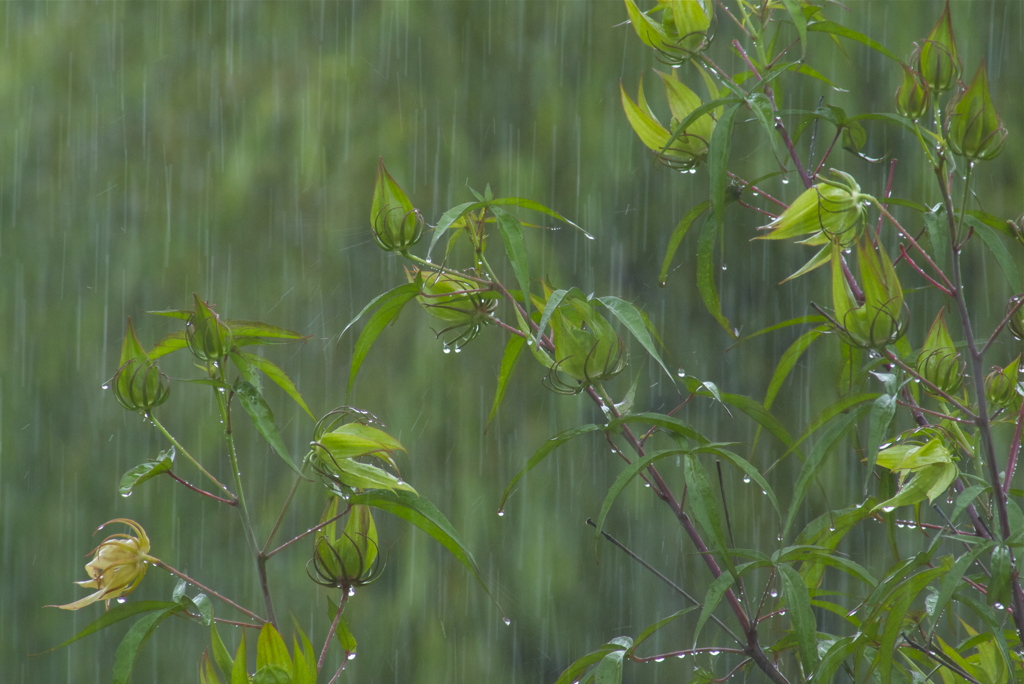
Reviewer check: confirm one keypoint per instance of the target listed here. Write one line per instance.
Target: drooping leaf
(625, 476)
(550, 445)
(845, 32)
(515, 249)
(575, 672)
(145, 471)
(508, 363)
(677, 237)
(800, 615)
(633, 319)
(704, 504)
(117, 613)
(424, 515)
(816, 459)
(786, 363)
(263, 420)
(278, 376)
(360, 475)
(706, 274)
(391, 303)
(221, 655)
(356, 439)
(134, 639)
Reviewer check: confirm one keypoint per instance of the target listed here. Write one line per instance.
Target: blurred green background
(152, 150)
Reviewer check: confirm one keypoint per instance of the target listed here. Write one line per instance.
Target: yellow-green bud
(397, 226)
(349, 560)
(1016, 317)
(974, 128)
(1001, 387)
(878, 321)
(938, 62)
(208, 337)
(913, 97)
(460, 302)
(683, 30)
(587, 348)
(831, 210)
(138, 384)
(939, 363)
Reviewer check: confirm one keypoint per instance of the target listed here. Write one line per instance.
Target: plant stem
(184, 452)
(332, 630)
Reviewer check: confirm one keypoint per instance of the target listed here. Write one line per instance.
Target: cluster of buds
(832, 210)
(466, 306)
(397, 225)
(208, 337)
(587, 348)
(351, 559)
(684, 29)
(138, 383)
(682, 150)
(939, 363)
(878, 320)
(119, 563)
(1002, 386)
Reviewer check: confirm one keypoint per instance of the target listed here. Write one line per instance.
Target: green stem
(243, 508)
(187, 455)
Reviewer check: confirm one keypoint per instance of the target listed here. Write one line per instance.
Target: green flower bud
(937, 61)
(683, 30)
(878, 321)
(913, 97)
(208, 337)
(587, 349)
(684, 151)
(974, 128)
(397, 226)
(831, 210)
(1001, 387)
(138, 384)
(939, 363)
(464, 304)
(349, 560)
(1016, 317)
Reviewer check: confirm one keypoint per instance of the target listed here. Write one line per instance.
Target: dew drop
(746, 479)
(501, 513)
(105, 386)
(507, 621)
(351, 591)
(351, 656)
(659, 660)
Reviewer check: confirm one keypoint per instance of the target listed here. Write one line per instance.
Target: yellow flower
(118, 565)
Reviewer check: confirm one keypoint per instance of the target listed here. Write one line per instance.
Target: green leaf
(816, 459)
(448, 218)
(170, 343)
(537, 206)
(718, 160)
(796, 14)
(749, 470)
(624, 477)
(239, 675)
(145, 471)
(344, 635)
(635, 322)
(424, 515)
(712, 598)
(609, 670)
(800, 615)
(677, 238)
(574, 672)
(759, 413)
(550, 445)
(354, 473)
(278, 376)
(120, 611)
(258, 332)
(355, 439)
(706, 273)
(834, 657)
(882, 411)
(271, 649)
(220, 652)
(839, 30)
(508, 363)
(651, 629)
(1003, 255)
(660, 420)
(263, 420)
(391, 303)
(704, 504)
(786, 363)
(134, 639)
(515, 249)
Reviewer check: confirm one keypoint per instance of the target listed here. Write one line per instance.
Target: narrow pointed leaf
(278, 376)
(391, 303)
(508, 363)
(624, 477)
(133, 641)
(550, 445)
(635, 322)
(515, 249)
(839, 30)
(117, 613)
(801, 616)
(677, 237)
(221, 655)
(263, 420)
(271, 649)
